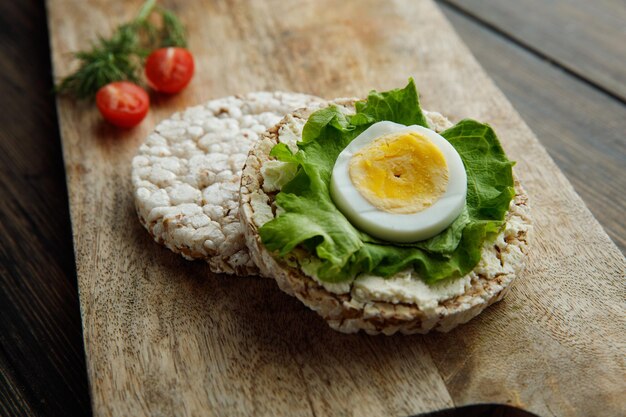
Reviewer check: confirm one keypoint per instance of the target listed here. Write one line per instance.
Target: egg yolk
(400, 173)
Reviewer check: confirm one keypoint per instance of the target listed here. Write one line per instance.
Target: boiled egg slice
(399, 183)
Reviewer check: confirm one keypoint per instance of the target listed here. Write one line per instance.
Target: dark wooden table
(561, 63)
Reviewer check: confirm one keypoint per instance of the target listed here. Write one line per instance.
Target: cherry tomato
(169, 70)
(123, 103)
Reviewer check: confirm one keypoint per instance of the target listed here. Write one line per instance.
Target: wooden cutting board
(165, 337)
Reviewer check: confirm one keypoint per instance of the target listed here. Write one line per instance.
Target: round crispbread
(345, 307)
(186, 176)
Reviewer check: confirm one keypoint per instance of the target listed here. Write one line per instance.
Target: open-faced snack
(316, 250)
(186, 176)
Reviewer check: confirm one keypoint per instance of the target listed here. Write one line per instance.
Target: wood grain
(586, 38)
(164, 336)
(586, 139)
(42, 366)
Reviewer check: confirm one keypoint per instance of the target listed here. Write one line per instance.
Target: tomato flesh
(169, 70)
(123, 103)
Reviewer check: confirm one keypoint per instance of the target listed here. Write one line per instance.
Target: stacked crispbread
(199, 190)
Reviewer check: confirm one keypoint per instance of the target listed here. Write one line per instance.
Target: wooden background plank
(581, 127)
(42, 365)
(24, 384)
(585, 37)
(148, 318)
(163, 336)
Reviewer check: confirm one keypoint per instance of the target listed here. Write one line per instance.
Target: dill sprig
(173, 33)
(121, 56)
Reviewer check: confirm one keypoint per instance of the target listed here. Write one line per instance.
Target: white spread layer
(276, 174)
(309, 266)
(407, 287)
(404, 287)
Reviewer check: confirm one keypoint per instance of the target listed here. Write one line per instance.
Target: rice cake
(186, 176)
(350, 307)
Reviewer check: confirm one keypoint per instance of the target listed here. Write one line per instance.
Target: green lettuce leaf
(312, 221)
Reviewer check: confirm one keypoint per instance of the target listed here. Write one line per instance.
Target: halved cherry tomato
(169, 70)
(123, 103)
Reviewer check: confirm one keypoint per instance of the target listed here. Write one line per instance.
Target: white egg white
(399, 227)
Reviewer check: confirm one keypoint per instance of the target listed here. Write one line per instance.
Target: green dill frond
(120, 57)
(173, 31)
(109, 60)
